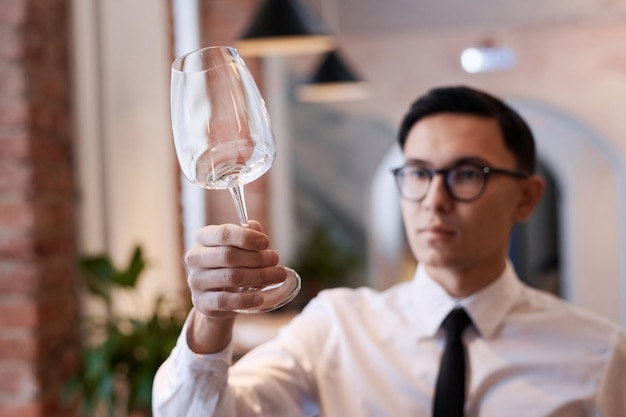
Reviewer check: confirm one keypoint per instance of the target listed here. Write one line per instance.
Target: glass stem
(240, 203)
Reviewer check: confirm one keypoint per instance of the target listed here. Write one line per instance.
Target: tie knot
(454, 324)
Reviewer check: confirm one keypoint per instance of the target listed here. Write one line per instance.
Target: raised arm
(192, 382)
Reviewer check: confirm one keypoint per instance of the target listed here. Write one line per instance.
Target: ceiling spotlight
(485, 59)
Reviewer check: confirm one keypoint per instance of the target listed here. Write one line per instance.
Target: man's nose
(437, 196)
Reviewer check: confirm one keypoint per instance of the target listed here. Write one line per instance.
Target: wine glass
(223, 138)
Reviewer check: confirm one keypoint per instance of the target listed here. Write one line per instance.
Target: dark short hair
(460, 99)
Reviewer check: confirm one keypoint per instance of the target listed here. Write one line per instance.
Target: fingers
(228, 264)
(233, 279)
(208, 299)
(231, 245)
(249, 238)
(203, 257)
(209, 303)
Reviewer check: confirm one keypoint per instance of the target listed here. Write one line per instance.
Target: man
(467, 180)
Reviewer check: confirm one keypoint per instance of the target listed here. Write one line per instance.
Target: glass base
(276, 295)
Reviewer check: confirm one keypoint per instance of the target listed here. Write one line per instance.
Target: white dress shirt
(359, 353)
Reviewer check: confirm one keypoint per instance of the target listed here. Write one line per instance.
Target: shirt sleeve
(278, 378)
(190, 384)
(611, 393)
(275, 379)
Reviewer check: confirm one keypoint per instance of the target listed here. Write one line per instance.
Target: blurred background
(88, 171)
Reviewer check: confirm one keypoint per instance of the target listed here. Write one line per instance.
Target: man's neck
(463, 282)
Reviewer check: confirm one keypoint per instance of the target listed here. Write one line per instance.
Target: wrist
(210, 333)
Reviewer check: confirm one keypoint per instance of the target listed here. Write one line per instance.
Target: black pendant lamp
(284, 27)
(334, 80)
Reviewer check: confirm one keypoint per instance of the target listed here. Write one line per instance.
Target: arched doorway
(592, 182)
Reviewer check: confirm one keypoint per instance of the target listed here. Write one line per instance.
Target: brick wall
(38, 304)
(38, 301)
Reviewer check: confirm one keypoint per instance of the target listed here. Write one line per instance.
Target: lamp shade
(284, 27)
(334, 80)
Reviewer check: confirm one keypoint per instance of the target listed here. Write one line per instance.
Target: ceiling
(370, 16)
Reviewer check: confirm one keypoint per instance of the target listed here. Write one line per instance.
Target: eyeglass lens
(462, 182)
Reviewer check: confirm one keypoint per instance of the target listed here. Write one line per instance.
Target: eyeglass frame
(485, 170)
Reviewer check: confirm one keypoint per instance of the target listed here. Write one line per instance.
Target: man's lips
(437, 230)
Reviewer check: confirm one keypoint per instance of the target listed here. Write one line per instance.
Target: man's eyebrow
(456, 162)
(470, 160)
(419, 162)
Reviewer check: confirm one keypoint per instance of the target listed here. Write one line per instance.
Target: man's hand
(224, 262)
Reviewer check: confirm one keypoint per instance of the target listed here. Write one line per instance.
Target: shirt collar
(487, 307)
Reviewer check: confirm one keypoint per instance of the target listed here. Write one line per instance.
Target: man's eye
(416, 173)
(466, 173)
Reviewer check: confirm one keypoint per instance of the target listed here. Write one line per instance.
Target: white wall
(127, 170)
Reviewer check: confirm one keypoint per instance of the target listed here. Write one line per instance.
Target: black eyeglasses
(463, 182)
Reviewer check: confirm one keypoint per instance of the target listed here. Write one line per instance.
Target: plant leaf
(128, 278)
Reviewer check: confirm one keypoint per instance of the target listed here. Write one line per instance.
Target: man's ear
(532, 189)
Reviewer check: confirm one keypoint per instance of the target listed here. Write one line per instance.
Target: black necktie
(450, 388)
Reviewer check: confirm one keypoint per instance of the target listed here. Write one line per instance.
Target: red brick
(44, 149)
(17, 216)
(62, 124)
(57, 309)
(12, 80)
(13, 12)
(18, 379)
(13, 114)
(11, 48)
(51, 407)
(41, 117)
(18, 346)
(225, 20)
(24, 216)
(60, 274)
(56, 246)
(14, 143)
(29, 409)
(54, 85)
(56, 214)
(48, 16)
(55, 178)
(59, 355)
(18, 312)
(15, 176)
(18, 278)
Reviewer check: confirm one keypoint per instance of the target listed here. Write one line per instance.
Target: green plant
(121, 354)
(322, 263)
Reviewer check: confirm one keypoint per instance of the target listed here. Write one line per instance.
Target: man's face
(461, 236)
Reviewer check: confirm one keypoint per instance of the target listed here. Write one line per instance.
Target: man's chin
(436, 254)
